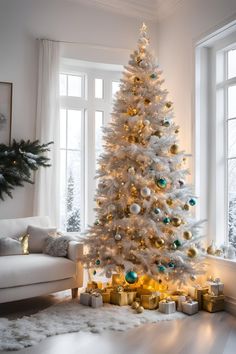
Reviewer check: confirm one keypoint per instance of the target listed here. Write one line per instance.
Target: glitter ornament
(132, 111)
(118, 237)
(145, 192)
(135, 208)
(131, 277)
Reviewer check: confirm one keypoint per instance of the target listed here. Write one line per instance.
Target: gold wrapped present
(118, 279)
(131, 295)
(119, 298)
(197, 292)
(213, 303)
(216, 287)
(106, 297)
(150, 302)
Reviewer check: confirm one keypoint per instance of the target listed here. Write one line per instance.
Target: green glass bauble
(161, 268)
(153, 76)
(171, 265)
(98, 262)
(166, 220)
(131, 277)
(192, 202)
(161, 182)
(177, 243)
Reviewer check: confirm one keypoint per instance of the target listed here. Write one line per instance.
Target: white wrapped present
(167, 306)
(96, 300)
(190, 307)
(181, 299)
(85, 299)
(216, 287)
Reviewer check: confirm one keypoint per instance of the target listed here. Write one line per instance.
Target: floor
(203, 333)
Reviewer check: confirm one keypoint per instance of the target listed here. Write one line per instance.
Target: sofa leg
(74, 293)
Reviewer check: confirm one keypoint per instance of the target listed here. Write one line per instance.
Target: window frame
(88, 105)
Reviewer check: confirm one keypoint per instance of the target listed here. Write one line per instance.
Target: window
(216, 133)
(86, 96)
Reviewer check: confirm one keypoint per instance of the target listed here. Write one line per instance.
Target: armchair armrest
(75, 251)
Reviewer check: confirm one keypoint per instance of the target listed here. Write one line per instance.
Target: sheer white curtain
(46, 198)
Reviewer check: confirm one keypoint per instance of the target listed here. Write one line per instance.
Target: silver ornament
(135, 208)
(145, 192)
(118, 237)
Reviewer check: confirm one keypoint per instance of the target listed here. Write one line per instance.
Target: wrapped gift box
(178, 301)
(190, 307)
(119, 298)
(213, 303)
(131, 295)
(150, 302)
(85, 299)
(197, 292)
(96, 300)
(106, 296)
(167, 306)
(93, 285)
(216, 288)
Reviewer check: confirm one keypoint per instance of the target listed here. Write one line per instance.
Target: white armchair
(25, 276)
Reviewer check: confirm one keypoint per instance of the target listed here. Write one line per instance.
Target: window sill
(230, 263)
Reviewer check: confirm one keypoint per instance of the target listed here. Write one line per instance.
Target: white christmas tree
(144, 225)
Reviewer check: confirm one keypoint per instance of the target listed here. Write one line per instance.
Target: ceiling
(153, 10)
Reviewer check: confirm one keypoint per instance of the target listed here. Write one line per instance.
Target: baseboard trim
(230, 305)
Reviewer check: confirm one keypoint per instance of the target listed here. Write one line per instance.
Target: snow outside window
(86, 96)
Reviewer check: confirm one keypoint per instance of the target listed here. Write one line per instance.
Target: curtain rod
(98, 46)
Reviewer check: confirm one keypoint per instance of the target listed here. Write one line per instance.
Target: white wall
(21, 23)
(177, 37)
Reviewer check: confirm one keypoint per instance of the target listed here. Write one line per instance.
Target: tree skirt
(71, 317)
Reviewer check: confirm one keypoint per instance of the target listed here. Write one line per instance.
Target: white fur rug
(70, 316)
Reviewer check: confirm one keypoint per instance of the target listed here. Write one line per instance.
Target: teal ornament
(161, 268)
(161, 182)
(153, 76)
(166, 220)
(94, 272)
(171, 265)
(98, 262)
(131, 277)
(177, 243)
(192, 202)
(157, 211)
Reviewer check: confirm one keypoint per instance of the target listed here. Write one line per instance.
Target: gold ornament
(159, 243)
(176, 221)
(192, 252)
(135, 305)
(168, 104)
(158, 133)
(134, 191)
(187, 235)
(186, 207)
(147, 101)
(140, 309)
(193, 277)
(138, 59)
(132, 139)
(109, 217)
(137, 80)
(131, 111)
(177, 131)
(211, 249)
(174, 149)
(126, 127)
(169, 201)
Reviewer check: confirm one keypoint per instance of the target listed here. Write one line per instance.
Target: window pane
(98, 88)
(115, 88)
(98, 133)
(63, 82)
(74, 85)
(73, 191)
(63, 189)
(231, 63)
(63, 128)
(232, 101)
(232, 200)
(73, 129)
(232, 138)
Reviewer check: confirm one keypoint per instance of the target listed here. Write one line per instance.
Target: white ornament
(131, 170)
(135, 208)
(146, 122)
(118, 237)
(145, 192)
